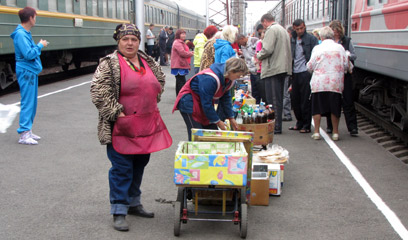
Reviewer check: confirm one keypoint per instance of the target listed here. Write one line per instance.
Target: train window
(68, 7)
(11, 2)
(313, 8)
(104, 8)
(82, 7)
(32, 3)
(52, 6)
(317, 5)
(113, 5)
(370, 2)
(126, 10)
(94, 8)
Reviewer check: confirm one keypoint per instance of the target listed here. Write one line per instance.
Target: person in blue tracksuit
(28, 66)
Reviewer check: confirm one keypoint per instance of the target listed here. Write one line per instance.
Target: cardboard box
(211, 163)
(275, 173)
(260, 191)
(263, 132)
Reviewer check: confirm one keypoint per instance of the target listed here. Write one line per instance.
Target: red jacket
(180, 55)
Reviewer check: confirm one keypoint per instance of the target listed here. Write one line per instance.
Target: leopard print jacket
(105, 90)
(207, 58)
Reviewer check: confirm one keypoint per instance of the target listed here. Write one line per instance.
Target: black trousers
(348, 105)
(274, 86)
(180, 81)
(162, 52)
(300, 99)
(191, 123)
(254, 87)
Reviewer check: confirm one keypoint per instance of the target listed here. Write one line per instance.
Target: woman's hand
(121, 114)
(221, 125)
(234, 123)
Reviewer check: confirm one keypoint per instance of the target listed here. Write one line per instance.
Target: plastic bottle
(262, 106)
(246, 118)
(254, 116)
(271, 115)
(239, 118)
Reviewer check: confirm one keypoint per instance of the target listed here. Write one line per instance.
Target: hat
(126, 29)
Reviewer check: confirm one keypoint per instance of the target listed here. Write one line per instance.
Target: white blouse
(328, 63)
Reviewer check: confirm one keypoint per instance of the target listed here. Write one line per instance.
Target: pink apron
(198, 112)
(142, 130)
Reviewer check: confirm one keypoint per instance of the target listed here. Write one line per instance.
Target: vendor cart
(215, 166)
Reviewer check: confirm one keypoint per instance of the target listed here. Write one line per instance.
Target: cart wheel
(243, 195)
(177, 221)
(243, 224)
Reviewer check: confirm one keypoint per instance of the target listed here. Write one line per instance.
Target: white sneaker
(26, 139)
(33, 136)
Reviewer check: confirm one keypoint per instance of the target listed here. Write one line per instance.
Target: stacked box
(275, 172)
(263, 132)
(211, 163)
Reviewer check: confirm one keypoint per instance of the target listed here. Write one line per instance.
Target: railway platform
(349, 189)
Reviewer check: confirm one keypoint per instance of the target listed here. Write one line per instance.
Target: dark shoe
(120, 223)
(140, 211)
(277, 132)
(329, 131)
(354, 132)
(304, 130)
(287, 119)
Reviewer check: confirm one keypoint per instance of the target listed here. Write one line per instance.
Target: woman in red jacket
(180, 59)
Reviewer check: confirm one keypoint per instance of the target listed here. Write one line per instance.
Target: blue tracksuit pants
(125, 178)
(28, 82)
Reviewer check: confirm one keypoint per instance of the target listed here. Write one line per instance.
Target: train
(81, 30)
(378, 29)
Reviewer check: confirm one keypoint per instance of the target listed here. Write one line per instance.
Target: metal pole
(207, 18)
(283, 13)
(139, 19)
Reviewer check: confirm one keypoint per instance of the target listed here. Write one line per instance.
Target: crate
(263, 132)
(211, 163)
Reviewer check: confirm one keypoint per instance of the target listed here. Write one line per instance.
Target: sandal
(304, 130)
(294, 128)
(316, 136)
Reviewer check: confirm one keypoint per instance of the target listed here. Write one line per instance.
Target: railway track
(383, 132)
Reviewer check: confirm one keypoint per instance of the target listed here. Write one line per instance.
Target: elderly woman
(223, 46)
(180, 59)
(328, 63)
(207, 59)
(125, 89)
(196, 98)
(347, 100)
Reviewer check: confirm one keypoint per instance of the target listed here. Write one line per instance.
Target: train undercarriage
(50, 59)
(385, 96)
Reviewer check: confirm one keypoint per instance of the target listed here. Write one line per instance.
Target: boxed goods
(211, 163)
(263, 132)
(260, 185)
(259, 191)
(275, 177)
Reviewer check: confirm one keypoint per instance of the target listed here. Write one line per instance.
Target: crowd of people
(127, 85)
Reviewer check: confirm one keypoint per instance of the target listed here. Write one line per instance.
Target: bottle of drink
(254, 116)
(260, 117)
(239, 117)
(246, 118)
(271, 115)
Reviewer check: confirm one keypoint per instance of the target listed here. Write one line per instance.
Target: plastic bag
(274, 154)
(7, 115)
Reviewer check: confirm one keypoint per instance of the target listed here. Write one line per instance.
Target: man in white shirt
(150, 39)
